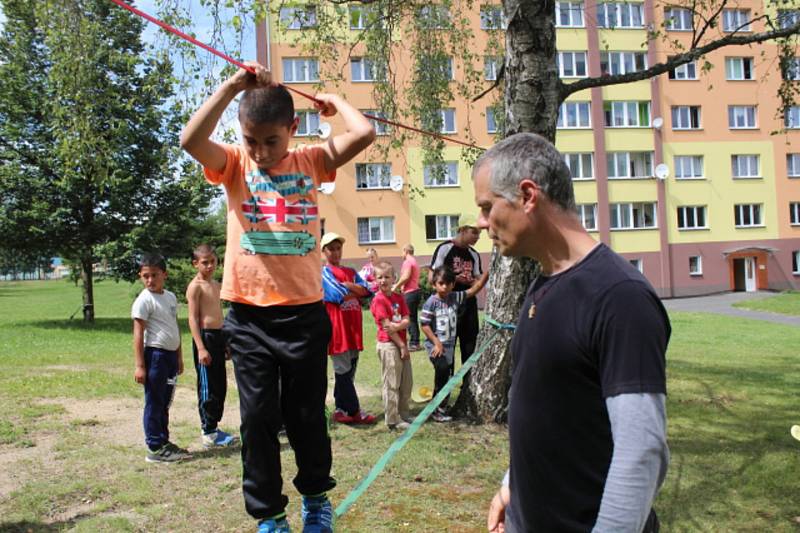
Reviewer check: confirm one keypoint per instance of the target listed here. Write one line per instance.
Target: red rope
(250, 69)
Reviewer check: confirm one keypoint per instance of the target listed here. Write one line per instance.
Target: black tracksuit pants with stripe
(212, 380)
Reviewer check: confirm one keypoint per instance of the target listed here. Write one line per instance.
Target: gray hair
(528, 156)
(409, 248)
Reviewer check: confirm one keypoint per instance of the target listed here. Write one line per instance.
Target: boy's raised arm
(196, 135)
(358, 135)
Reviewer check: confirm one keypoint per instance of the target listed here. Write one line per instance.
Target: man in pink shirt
(409, 285)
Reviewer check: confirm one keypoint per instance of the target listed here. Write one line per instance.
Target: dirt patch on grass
(17, 464)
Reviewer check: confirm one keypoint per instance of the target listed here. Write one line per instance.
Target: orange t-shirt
(272, 254)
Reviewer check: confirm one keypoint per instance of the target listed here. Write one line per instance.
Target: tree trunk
(532, 99)
(88, 289)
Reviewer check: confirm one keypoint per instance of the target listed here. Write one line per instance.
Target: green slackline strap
(398, 444)
(499, 325)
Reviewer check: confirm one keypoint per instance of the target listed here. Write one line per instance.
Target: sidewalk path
(723, 304)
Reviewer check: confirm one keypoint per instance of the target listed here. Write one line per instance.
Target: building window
(571, 64)
(441, 174)
(588, 216)
(308, 123)
(688, 167)
(745, 166)
(796, 262)
(444, 121)
(640, 215)
(627, 114)
(687, 71)
(491, 66)
(692, 217)
(440, 227)
(580, 165)
(300, 69)
(491, 120)
(363, 69)
(792, 119)
(695, 265)
(375, 230)
(678, 19)
(788, 17)
(381, 128)
(298, 18)
(686, 117)
(747, 215)
(790, 69)
(434, 17)
(373, 175)
(637, 264)
(736, 20)
(620, 15)
(622, 62)
(623, 165)
(362, 16)
(574, 115)
(794, 213)
(793, 165)
(492, 18)
(739, 68)
(741, 117)
(569, 14)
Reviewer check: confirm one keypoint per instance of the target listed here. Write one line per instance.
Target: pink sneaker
(343, 418)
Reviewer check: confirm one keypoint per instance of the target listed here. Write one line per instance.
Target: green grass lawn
(70, 464)
(786, 303)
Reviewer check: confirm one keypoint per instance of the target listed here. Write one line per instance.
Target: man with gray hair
(586, 417)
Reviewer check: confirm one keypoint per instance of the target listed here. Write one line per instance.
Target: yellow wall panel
(628, 241)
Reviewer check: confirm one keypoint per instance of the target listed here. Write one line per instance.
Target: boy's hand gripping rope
(251, 70)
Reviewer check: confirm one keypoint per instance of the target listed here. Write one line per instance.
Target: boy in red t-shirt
(391, 315)
(342, 287)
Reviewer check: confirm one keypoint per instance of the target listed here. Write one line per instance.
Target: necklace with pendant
(543, 293)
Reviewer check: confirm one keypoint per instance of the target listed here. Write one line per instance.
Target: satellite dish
(658, 122)
(327, 187)
(324, 130)
(396, 183)
(662, 171)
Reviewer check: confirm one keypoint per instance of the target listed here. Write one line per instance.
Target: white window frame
(742, 117)
(622, 62)
(307, 124)
(444, 226)
(625, 114)
(793, 165)
(434, 17)
(745, 166)
(684, 72)
(448, 120)
(300, 69)
(580, 109)
(791, 70)
(697, 268)
(492, 17)
(686, 113)
(571, 60)
(373, 176)
(637, 165)
(735, 20)
(794, 213)
(788, 17)
(491, 120)
(751, 211)
(620, 15)
(690, 163)
(491, 66)
(678, 19)
(588, 214)
(381, 128)
(580, 164)
(691, 216)
(384, 225)
(359, 14)
(796, 262)
(366, 69)
(633, 215)
(298, 17)
(740, 69)
(638, 264)
(792, 118)
(574, 12)
(450, 175)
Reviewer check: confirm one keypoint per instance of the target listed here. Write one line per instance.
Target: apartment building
(682, 174)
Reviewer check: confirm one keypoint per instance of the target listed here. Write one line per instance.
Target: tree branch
(493, 86)
(678, 60)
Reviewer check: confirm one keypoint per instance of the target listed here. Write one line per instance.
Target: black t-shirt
(599, 330)
(462, 260)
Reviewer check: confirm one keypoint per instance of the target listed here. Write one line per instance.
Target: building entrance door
(750, 274)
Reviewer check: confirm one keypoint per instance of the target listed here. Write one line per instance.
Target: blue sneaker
(317, 514)
(271, 525)
(219, 439)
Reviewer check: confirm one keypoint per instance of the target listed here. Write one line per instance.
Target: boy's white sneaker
(219, 439)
